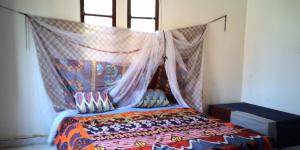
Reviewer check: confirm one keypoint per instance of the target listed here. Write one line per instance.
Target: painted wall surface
(25, 109)
(272, 55)
(24, 103)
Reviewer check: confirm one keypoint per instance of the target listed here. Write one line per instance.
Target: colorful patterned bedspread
(170, 129)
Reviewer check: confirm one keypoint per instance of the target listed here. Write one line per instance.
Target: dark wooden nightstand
(287, 126)
(220, 112)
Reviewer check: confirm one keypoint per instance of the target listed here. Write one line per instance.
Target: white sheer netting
(61, 43)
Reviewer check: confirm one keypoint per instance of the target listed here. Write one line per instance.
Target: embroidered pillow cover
(92, 102)
(153, 98)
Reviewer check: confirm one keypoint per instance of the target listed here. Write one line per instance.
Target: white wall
(23, 98)
(272, 55)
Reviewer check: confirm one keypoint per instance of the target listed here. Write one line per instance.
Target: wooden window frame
(156, 18)
(113, 16)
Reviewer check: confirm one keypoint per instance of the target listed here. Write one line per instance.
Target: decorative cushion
(153, 98)
(92, 102)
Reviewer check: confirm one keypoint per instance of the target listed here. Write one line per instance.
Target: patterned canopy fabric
(76, 57)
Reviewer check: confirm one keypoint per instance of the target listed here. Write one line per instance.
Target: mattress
(165, 128)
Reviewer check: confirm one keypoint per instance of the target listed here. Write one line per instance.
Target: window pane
(102, 7)
(143, 8)
(147, 25)
(104, 21)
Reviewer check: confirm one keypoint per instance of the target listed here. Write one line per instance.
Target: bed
(165, 128)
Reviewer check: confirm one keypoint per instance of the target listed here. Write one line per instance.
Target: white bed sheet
(73, 113)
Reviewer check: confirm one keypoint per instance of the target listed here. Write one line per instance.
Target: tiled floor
(33, 147)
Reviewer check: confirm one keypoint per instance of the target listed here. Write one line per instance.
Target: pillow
(153, 98)
(160, 81)
(92, 102)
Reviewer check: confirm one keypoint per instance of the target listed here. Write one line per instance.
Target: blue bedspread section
(117, 111)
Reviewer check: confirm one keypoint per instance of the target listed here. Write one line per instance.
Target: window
(100, 12)
(142, 15)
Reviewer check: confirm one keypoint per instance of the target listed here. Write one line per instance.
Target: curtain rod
(217, 19)
(26, 24)
(212, 21)
(13, 10)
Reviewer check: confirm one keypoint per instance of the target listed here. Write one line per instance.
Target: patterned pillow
(92, 102)
(160, 81)
(153, 98)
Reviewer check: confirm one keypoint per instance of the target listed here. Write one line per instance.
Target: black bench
(287, 125)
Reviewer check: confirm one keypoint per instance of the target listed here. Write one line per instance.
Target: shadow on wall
(216, 65)
(9, 81)
(24, 109)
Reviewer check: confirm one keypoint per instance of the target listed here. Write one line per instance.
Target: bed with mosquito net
(120, 89)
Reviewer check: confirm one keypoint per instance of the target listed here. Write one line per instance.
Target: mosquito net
(79, 57)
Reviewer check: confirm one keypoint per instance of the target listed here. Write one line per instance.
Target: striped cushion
(153, 98)
(92, 102)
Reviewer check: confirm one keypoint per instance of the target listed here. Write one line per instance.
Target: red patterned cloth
(175, 128)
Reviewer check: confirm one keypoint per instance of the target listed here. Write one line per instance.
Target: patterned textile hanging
(76, 57)
(184, 50)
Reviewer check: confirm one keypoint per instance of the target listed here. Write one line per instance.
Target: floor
(33, 147)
